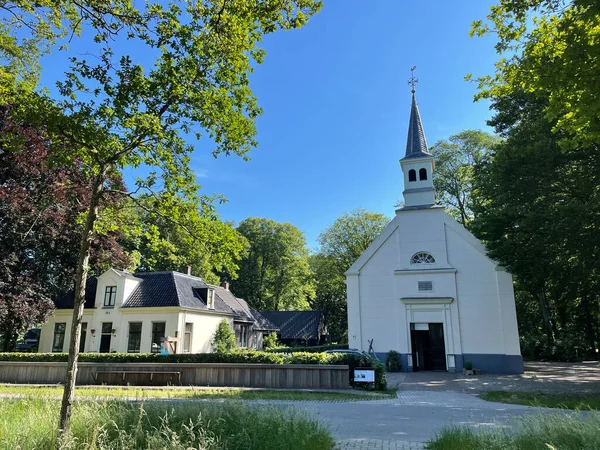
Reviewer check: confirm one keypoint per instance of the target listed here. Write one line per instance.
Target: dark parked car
(30, 341)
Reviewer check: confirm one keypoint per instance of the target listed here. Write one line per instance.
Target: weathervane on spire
(412, 82)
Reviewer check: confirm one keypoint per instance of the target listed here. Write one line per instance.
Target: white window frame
(187, 337)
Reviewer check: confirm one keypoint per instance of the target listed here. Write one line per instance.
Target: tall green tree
(118, 114)
(549, 48)
(455, 159)
(40, 206)
(537, 209)
(275, 272)
(208, 245)
(339, 246)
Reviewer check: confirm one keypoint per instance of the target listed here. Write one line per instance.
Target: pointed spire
(416, 145)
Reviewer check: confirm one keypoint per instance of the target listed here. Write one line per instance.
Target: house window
(412, 175)
(83, 335)
(59, 337)
(158, 333)
(110, 294)
(135, 337)
(422, 174)
(425, 286)
(210, 299)
(422, 258)
(187, 338)
(244, 336)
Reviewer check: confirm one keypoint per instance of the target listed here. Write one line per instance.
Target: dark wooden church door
(428, 349)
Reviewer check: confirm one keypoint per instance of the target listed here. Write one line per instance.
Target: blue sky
(336, 105)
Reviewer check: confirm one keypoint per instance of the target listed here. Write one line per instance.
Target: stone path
(410, 420)
(539, 376)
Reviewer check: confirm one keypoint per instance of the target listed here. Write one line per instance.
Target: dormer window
(422, 174)
(210, 299)
(422, 258)
(412, 175)
(110, 295)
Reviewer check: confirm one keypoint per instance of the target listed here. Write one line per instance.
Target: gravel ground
(538, 377)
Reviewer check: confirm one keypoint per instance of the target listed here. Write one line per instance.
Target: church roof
(416, 145)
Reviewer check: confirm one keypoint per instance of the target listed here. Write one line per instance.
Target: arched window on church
(412, 175)
(422, 174)
(422, 258)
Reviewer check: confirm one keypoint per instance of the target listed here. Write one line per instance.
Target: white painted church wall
(379, 306)
(476, 285)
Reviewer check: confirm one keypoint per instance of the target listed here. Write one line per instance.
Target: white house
(426, 288)
(134, 313)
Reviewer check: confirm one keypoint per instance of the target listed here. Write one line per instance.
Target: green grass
(562, 401)
(28, 424)
(575, 431)
(191, 393)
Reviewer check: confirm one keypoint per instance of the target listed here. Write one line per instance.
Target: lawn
(563, 401)
(576, 431)
(30, 423)
(138, 393)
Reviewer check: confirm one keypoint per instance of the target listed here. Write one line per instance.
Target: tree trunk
(546, 314)
(87, 236)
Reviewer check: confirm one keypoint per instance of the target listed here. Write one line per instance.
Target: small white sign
(364, 375)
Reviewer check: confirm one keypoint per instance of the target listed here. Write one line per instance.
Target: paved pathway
(539, 376)
(409, 420)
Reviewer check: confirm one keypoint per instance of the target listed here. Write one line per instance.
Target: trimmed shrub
(392, 361)
(224, 338)
(270, 341)
(315, 349)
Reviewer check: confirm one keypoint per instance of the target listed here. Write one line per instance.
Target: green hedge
(315, 349)
(238, 356)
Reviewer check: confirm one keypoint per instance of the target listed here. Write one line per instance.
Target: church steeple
(416, 145)
(417, 163)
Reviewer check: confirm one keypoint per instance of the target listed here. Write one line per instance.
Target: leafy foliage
(455, 159)
(392, 361)
(40, 207)
(554, 55)
(270, 341)
(537, 209)
(313, 349)
(274, 274)
(224, 338)
(115, 113)
(208, 245)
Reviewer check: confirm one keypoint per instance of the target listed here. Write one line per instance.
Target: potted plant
(392, 361)
(468, 368)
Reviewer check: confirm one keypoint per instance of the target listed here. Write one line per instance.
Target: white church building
(426, 288)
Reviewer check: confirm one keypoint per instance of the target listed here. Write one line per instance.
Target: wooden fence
(284, 376)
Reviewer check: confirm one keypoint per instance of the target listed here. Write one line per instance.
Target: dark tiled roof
(416, 145)
(239, 306)
(67, 300)
(296, 324)
(262, 323)
(163, 289)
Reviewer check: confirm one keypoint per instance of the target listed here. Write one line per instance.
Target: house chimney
(225, 284)
(189, 270)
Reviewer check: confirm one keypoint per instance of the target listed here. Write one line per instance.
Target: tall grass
(577, 431)
(31, 424)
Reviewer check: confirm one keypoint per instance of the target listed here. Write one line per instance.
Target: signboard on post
(364, 375)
